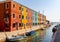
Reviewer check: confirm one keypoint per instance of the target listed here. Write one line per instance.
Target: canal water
(40, 36)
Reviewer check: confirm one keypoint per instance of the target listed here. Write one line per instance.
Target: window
(26, 10)
(22, 16)
(33, 23)
(6, 16)
(19, 16)
(19, 8)
(7, 5)
(13, 24)
(13, 5)
(13, 15)
(6, 25)
(20, 24)
(22, 9)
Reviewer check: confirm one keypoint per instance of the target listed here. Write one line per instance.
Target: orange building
(42, 20)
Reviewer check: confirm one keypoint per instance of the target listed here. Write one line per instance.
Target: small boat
(54, 30)
(14, 39)
(30, 33)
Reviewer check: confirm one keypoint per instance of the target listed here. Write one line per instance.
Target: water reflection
(40, 36)
(48, 36)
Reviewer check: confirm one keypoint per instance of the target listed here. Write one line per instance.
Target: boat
(18, 38)
(15, 38)
(30, 33)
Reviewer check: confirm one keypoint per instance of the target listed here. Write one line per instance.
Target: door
(16, 25)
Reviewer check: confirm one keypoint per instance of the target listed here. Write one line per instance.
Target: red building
(29, 18)
(10, 16)
(13, 16)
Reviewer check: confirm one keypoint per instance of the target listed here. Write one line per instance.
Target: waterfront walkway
(9, 34)
(57, 35)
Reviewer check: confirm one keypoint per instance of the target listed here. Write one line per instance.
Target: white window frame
(6, 6)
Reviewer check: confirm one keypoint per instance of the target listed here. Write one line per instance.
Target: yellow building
(24, 16)
(45, 19)
(42, 20)
(45, 22)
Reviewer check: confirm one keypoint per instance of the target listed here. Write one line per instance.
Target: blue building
(36, 18)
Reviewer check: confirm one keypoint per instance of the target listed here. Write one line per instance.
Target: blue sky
(51, 7)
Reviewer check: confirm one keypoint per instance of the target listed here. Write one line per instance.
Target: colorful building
(45, 22)
(24, 16)
(42, 20)
(16, 13)
(39, 19)
(36, 18)
(40, 15)
(33, 18)
(11, 16)
(15, 16)
(29, 18)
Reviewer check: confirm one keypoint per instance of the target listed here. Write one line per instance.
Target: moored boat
(15, 38)
(30, 33)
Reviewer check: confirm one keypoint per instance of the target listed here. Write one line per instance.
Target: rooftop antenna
(43, 11)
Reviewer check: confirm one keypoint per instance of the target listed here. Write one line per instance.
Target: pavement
(56, 37)
(9, 34)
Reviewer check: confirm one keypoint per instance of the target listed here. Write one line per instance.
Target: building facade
(15, 16)
(42, 20)
(29, 18)
(33, 18)
(24, 17)
(16, 13)
(11, 12)
(36, 18)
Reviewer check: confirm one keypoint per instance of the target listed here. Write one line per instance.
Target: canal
(40, 36)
